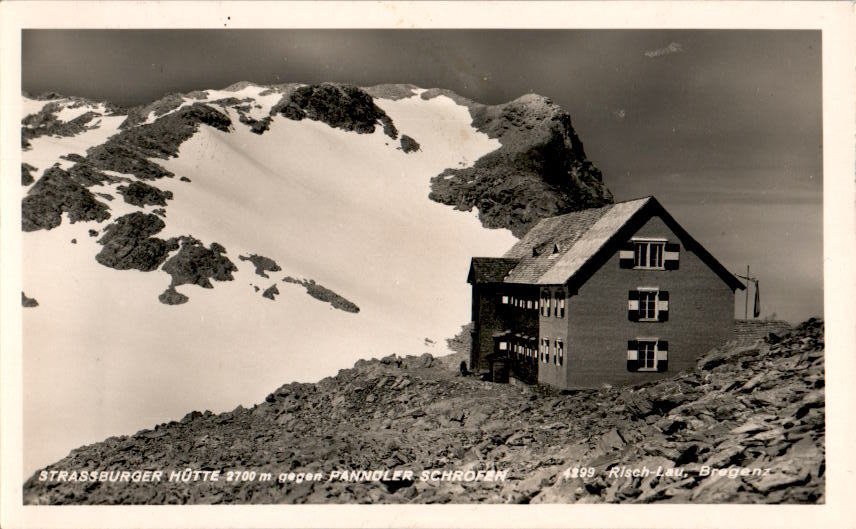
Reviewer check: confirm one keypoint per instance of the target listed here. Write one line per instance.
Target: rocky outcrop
(194, 264)
(408, 144)
(129, 243)
(142, 194)
(129, 151)
(263, 264)
(164, 105)
(341, 106)
(46, 123)
(56, 193)
(27, 174)
(171, 296)
(27, 302)
(324, 294)
(271, 292)
(540, 171)
(746, 426)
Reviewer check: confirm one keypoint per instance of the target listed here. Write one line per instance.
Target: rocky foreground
(746, 426)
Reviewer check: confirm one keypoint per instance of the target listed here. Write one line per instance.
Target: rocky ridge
(753, 412)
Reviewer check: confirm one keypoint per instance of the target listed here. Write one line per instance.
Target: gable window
(647, 354)
(649, 254)
(560, 352)
(648, 304)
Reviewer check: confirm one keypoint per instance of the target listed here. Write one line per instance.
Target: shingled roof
(490, 269)
(564, 243)
(556, 249)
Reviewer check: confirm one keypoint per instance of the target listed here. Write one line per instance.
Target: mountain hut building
(615, 295)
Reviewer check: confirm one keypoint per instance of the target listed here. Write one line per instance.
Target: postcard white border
(835, 19)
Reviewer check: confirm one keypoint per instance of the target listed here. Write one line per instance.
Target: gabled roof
(569, 246)
(490, 269)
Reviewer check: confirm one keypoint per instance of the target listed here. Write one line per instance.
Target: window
(647, 359)
(503, 346)
(648, 254)
(561, 296)
(648, 304)
(647, 354)
(546, 358)
(560, 352)
(505, 300)
(545, 304)
(528, 303)
(541, 351)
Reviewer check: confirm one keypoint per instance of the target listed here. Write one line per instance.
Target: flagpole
(749, 280)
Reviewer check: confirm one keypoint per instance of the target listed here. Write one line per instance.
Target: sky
(724, 127)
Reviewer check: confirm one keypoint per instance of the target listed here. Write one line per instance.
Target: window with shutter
(647, 354)
(648, 304)
(649, 254)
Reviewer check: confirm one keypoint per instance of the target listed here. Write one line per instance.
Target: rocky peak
(540, 171)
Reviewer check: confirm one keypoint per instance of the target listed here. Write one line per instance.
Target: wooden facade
(617, 295)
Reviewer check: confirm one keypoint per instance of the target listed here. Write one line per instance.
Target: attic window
(648, 254)
(534, 252)
(555, 249)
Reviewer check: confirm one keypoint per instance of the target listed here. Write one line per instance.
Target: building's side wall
(554, 328)
(701, 316)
